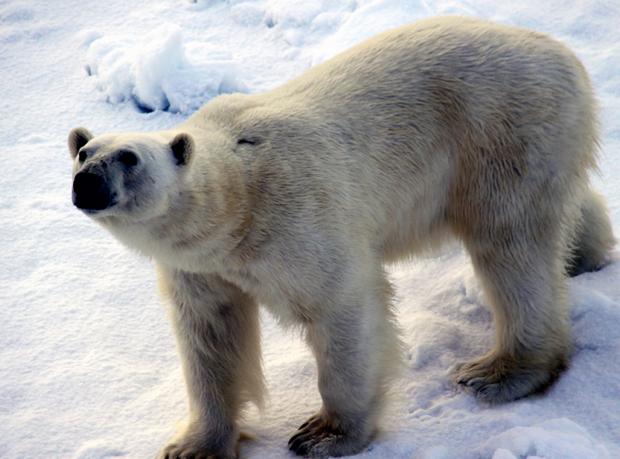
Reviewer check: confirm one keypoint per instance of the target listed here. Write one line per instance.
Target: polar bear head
(132, 176)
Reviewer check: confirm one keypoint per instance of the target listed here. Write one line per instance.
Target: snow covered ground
(88, 366)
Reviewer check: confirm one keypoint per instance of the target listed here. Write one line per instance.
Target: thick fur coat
(295, 198)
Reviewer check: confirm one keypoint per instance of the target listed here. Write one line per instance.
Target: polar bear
(295, 198)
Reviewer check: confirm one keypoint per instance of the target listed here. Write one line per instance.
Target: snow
(88, 365)
(159, 71)
(552, 438)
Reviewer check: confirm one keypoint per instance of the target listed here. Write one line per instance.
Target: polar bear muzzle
(91, 192)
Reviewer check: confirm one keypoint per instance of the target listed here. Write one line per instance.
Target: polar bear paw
(497, 379)
(320, 438)
(194, 446)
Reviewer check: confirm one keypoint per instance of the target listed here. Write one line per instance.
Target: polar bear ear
(182, 147)
(78, 137)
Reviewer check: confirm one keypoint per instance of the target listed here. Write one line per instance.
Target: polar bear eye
(248, 141)
(82, 156)
(128, 158)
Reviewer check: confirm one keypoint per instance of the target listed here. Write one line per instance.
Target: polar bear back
(454, 113)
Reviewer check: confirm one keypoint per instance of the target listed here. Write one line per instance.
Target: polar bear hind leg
(517, 232)
(523, 282)
(593, 238)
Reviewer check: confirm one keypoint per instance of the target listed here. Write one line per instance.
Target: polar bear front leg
(216, 327)
(357, 348)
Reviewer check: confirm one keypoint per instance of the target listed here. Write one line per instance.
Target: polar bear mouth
(96, 212)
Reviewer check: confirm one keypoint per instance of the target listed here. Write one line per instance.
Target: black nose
(90, 191)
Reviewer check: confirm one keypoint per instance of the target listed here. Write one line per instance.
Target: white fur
(294, 199)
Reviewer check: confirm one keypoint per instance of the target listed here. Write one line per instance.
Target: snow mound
(159, 71)
(553, 439)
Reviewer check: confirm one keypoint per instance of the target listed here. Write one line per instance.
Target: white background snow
(88, 365)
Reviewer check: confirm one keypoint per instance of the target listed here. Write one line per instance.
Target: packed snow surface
(88, 365)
